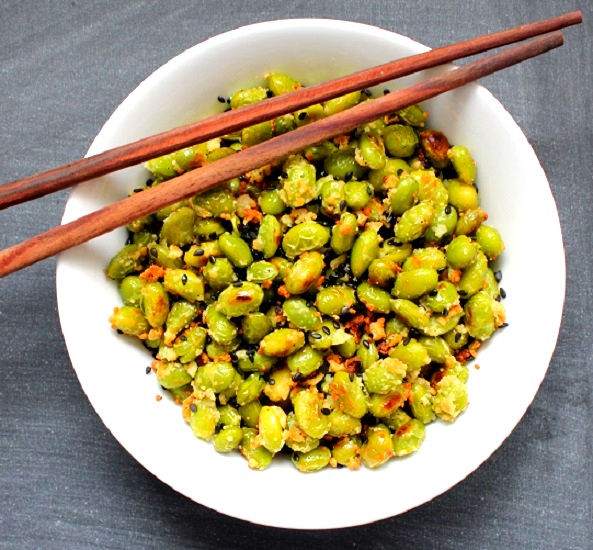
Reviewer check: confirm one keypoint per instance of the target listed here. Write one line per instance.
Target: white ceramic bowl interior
(514, 192)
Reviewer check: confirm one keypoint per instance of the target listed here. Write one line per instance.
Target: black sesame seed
(407, 341)
(345, 310)
(462, 293)
(309, 303)
(213, 235)
(212, 259)
(199, 252)
(433, 292)
(269, 93)
(386, 91)
(326, 330)
(302, 115)
(271, 381)
(504, 325)
(369, 191)
(367, 92)
(119, 331)
(441, 269)
(297, 376)
(498, 276)
(503, 293)
(366, 344)
(325, 411)
(415, 333)
(457, 337)
(322, 173)
(221, 99)
(251, 354)
(154, 252)
(184, 279)
(348, 176)
(351, 376)
(148, 370)
(295, 457)
(233, 356)
(336, 325)
(183, 338)
(238, 284)
(343, 204)
(278, 309)
(316, 336)
(448, 209)
(193, 407)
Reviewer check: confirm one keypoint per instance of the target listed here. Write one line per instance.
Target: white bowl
(514, 192)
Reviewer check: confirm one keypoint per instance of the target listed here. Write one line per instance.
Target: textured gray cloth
(66, 483)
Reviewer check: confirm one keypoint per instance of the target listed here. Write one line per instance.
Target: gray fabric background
(66, 483)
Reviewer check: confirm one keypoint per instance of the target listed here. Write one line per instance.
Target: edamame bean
(378, 447)
(305, 273)
(401, 141)
(344, 233)
(414, 222)
(461, 252)
(235, 249)
(371, 151)
(312, 461)
(204, 419)
(490, 241)
(130, 290)
(129, 320)
(272, 421)
(304, 237)
(282, 342)
(348, 394)
(236, 301)
(307, 408)
(463, 196)
(463, 163)
(154, 304)
(298, 187)
(364, 251)
(408, 438)
(374, 298)
(219, 275)
(184, 283)
(412, 284)
(178, 227)
(335, 299)
(305, 360)
(127, 261)
(227, 439)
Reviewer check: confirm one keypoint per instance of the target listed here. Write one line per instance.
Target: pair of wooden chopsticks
(124, 211)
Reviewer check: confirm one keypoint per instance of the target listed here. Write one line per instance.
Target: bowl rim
(104, 136)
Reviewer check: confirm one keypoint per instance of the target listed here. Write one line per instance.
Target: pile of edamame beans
(324, 307)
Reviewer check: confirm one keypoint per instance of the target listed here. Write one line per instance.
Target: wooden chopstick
(196, 181)
(128, 155)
